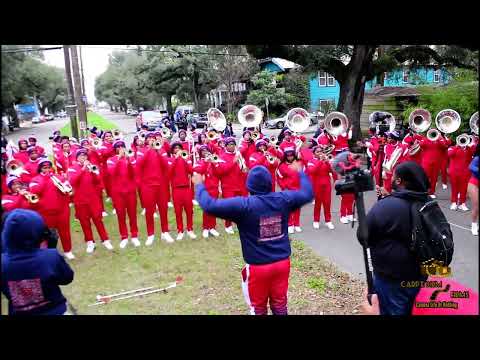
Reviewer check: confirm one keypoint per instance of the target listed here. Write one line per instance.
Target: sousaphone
(216, 119)
(250, 116)
(336, 123)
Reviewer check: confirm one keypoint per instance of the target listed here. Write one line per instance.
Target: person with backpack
(402, 230)
(31, 276)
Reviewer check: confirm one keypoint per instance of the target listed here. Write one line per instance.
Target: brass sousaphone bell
(420, 120)
(474, 123)
(336, 123)
(250, 116)
(216, 119)
(297, 120)
(448, 121)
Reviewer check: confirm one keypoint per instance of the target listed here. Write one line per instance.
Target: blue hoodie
(31, 276)
(262, 217)
(474, 167)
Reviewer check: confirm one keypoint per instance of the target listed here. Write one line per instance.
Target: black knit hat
(414, 176)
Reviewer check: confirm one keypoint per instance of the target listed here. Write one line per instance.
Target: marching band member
(121, 169)
(320, 172)
(391, 145)
(460, 158)
(305, 154)
(152, 167)
(431, 159)
(166, 148)
(88, 207)
(53, 204)
(13, 198)
(22, 154)
(341, 141)
(186, 145)
(31, 166)
(288, 141)
(473, 190)
(288, 179)
(232, 177)
(180, 173)
(205, 167)
(259, 157)
(247, 146)
(106, 151)
(64, 158)
(408, 140)
(32, 141)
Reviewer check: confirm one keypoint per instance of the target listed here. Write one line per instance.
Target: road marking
(461, 227)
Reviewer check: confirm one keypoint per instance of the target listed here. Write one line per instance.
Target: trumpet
(255, 135)
(130, 153)
(166, 132)
(96, 143)
(212, 135)
(117, 134)
(13, 168)
(93, 168)
(142, 136)
(270, 158)
(31, 198)
(183, 154)
(463, 140)
(64, 187)
(273, 140)
(241, 161)
(157, 145)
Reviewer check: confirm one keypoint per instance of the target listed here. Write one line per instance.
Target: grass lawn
(211, 276)
(93, 119)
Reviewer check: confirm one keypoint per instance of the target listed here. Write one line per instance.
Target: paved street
(340, 245)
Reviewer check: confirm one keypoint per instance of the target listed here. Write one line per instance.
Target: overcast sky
(95, 62)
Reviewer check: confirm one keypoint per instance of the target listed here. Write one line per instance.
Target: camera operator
(389, 235)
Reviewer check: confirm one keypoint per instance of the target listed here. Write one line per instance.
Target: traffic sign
(83, 125)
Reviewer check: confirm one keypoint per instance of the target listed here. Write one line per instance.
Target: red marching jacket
(85, 186)
(319, 172)
(231, 177)
(460, 159)
(21, 155)
(31, 170)
(206, 168)
(152, 167)
(63, 161)
(52, 200)
(409, 140)
(433, 150)
(180, 171)
(14, 201)
(246, 150)
(306, 155)
(121, 171)
(288, 179)
(341, 141)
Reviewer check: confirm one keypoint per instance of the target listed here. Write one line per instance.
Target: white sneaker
(205, 234)
(330, 225)
(69, 255)
(108, 244)
(170, 205)
(180, 236)
(143, 212)
(444, 186)
(291, 229)
(316, 225)
(344, 220)
(229, 230)
(123, 243)
(114, 212)
(453, 207)
(155, 215)
(191, 234)
(298, 229)
(150, 240)
(104, 213)
(433, 196)
(475, 229)
(135, 242)
(463, 207)
(167, 237)
(90, 247)
(195, 202)
(214, 232)
(350, 218)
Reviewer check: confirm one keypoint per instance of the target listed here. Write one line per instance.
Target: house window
(406, 74)
(385, 76)
(330, 80)
(436, 75)
(322, 78)
(326, 105)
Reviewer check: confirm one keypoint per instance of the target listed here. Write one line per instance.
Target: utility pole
(77, 85)
(81, 70)
(70, 107)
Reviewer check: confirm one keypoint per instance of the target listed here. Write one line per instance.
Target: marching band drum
(160, 164)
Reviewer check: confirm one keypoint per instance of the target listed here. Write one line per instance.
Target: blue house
(324, 88)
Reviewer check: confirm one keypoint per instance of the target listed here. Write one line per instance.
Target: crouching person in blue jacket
(31, 276)
(262, 221)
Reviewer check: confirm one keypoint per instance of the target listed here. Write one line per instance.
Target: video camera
(378, 118)
(355, 179)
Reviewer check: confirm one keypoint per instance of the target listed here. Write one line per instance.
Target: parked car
(49, 117)
(279, 123)
(61, 114)
(132, 112)
(5, 125)
(152, 119)
(38, 119)
(200, 120)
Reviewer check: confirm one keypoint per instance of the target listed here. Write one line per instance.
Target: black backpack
(432, 237)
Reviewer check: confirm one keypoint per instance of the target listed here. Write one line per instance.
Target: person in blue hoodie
(262, 221)
(389, 236)
(31, 277)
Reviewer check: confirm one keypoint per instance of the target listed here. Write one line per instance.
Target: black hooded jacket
(389, 236)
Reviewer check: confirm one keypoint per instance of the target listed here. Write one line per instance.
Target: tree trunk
(70, 101)
(111, 107)
(169, 104)
(352, 87)
(77, 84)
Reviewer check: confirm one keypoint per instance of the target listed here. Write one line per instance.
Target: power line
(16, 50)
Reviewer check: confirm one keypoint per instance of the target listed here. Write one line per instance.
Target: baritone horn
(250, 116)
(336, 123)
(390, 164)
(420, 120)
(448, 121)
(433, 134)
(474, 123)
(216, 119)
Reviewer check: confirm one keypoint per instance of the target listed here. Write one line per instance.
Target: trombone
(31, 198)
(64, 187)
